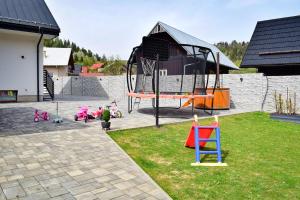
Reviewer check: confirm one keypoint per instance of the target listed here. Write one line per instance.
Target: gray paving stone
(14, 192)
(34, 189)
(42, 177)
(104, 179)
(126, 176)
(81, 189)
(124, 197)
(141, 196)
(69, 184)
(2, 195)
(67, 160)
(86, 196)
(132, 192)
(110, 194)
(85, 177)
(156, 193)
(100, 190)
(57, 192)
(64, 197)
(6, 173)
(124, 185)
(9, 184)
(28, 182)
(36, 196)
(146, 187)
(75, 173)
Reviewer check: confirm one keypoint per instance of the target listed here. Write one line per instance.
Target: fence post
(82, 86)
(157, 92)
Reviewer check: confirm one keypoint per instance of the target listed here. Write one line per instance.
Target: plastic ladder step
(207, 140)
(208, 152)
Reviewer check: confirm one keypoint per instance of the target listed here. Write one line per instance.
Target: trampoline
(162, 69)
(168, 96)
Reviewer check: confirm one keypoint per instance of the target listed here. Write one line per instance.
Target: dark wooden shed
(174, 40)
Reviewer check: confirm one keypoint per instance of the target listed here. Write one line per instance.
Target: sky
(114, 27)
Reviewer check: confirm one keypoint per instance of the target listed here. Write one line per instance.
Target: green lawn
(262, 154)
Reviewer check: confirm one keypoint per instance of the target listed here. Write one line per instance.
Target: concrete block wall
(245, 90)
(256, 92)
(249, 92)
(280, 85)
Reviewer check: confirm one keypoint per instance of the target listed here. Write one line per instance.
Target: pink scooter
(43, 116)
(82, 114)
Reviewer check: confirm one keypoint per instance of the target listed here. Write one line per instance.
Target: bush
(106, 115)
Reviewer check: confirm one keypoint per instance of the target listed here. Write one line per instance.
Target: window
(163, 72)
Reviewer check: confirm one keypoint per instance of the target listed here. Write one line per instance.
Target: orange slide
(221, 100)
(204, 133)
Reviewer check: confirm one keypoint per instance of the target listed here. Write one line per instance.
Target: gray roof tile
(27, 13)
(274, 36)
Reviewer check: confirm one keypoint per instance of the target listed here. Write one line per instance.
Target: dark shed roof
(183, 38)
(27, 15)
(274, 43)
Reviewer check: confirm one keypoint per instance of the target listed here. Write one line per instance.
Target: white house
(23, 27)
(58, 61)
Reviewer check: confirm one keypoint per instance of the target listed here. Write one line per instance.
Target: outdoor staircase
(48, 90)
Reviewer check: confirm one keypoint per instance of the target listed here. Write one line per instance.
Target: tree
(73, 47)
(90, 53)
(234, 50)
(97, 57)
(103, 59)
(75, 57)
(84, 51)
(114, 66)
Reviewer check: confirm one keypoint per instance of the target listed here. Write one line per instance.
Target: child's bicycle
(114, 110)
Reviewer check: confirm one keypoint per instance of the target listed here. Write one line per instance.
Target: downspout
(38, 65)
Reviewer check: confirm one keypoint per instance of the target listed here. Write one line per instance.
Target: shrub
(287, 106)
(106, 115)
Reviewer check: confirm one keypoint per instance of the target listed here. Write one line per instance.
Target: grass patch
(262, 154)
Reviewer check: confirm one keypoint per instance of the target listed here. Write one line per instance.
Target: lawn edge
(166, 195)
(183, 120)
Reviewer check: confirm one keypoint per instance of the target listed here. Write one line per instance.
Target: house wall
(57, 70)
(17, 73)
(249, 92)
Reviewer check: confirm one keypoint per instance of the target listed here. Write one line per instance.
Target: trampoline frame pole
(157, 93)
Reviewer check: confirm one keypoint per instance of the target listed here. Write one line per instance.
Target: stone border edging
(139, 167)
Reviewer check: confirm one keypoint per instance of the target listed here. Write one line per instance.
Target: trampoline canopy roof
(184, 38)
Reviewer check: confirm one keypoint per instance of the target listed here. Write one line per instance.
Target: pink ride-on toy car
(43, 116)
(82, 114)
(98, 113)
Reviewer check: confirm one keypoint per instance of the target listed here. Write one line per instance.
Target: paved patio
(72, 160)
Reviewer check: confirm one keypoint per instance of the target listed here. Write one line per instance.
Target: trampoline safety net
(180, 71)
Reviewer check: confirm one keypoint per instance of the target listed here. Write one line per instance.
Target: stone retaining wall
(248, 91)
